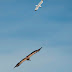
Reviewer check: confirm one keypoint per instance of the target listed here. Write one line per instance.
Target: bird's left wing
(34, 52)
(40, 2)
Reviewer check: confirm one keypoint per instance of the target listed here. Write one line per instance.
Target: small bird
(27, 57)
(39, 5)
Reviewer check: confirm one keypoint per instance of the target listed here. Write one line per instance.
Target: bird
(27, 57)
(39, 5)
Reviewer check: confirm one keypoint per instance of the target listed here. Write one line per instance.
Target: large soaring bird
(39, 5)
(27, 57)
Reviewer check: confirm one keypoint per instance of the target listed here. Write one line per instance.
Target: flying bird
(27, 57)
(39, 5)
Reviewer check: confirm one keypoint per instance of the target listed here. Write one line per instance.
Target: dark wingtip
(41, 48)
(15, 66)
(35, 10)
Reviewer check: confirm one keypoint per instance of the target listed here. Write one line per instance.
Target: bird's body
(27, 57)
(39, 5)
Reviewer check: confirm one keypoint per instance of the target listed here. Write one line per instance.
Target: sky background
(23, 30)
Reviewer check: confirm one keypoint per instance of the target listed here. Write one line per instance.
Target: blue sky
(22, 30)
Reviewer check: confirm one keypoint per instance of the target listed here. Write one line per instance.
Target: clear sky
(23, 30)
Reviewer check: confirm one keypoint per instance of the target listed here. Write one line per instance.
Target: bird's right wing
(20, 62)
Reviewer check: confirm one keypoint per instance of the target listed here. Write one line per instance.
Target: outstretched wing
(40, 2)
(39, 5)
(18, 64)
(34, 52)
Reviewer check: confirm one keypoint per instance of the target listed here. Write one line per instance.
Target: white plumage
(39, 5)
